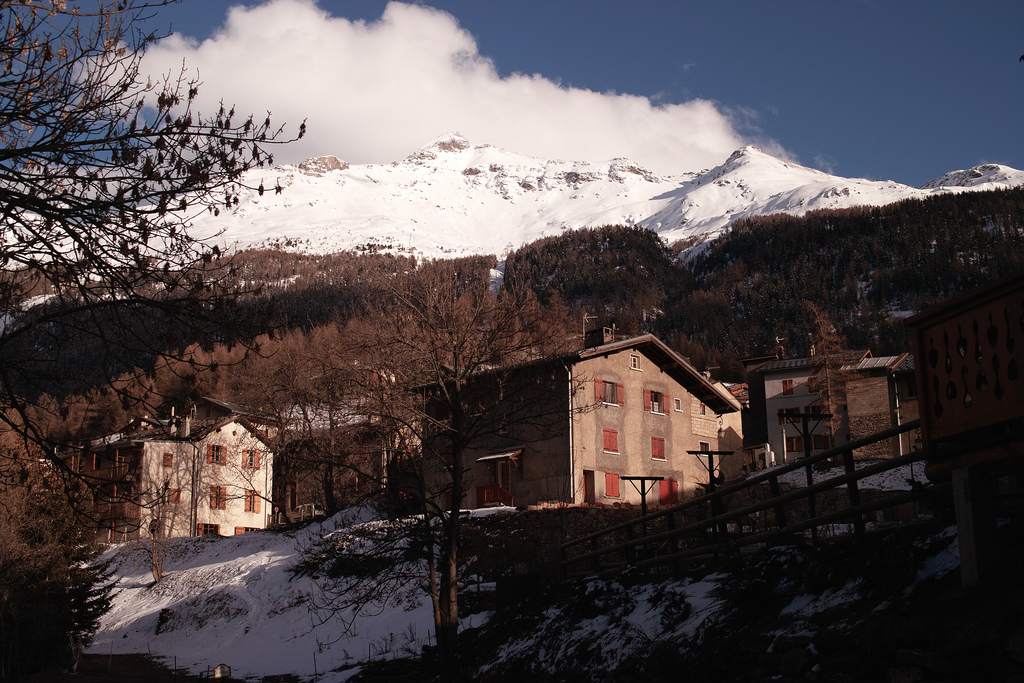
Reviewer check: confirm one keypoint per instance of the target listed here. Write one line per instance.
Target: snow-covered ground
(897, 479)
(235, 600)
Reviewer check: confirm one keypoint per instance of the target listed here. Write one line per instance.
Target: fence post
(673, 542)
(780, 512)
(630, 549)
(854, 493)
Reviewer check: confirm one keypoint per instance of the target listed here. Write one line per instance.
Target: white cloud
(377, 91)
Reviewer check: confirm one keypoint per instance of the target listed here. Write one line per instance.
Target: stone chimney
(598, 337)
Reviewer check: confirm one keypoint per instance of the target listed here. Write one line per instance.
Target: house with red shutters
(622, 409)
(208, 472)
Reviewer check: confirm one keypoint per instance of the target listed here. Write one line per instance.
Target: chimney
(598, 337)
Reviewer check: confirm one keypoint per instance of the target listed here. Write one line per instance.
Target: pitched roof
(674, 365)
(794, 363)
(886, 362)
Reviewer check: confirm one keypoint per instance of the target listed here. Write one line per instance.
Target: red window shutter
(598, 390)
(657, 448)
(239, 530)
(647, 399)
(621, 394)
(256, 501)
(611, 440)
(611, 485)
(209, 453)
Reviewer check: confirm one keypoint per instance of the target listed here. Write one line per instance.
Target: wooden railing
(491, 494)
(765, 516)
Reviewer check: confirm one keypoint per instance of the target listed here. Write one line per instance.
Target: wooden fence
(761, 515)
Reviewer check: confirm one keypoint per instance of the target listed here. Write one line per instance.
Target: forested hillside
(768, 279)
(865, 268)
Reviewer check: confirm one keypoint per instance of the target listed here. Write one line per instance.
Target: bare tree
(450, 368)
(102, 168)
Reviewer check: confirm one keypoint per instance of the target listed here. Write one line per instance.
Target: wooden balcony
(117, 473)
(106, 512)
(492, 495)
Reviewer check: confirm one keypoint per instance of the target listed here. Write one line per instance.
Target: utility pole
(802, 421)
(716, 509)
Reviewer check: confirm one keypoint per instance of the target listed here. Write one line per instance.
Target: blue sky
(899, 90)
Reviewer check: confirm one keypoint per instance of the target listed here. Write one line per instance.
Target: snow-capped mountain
(452, 197)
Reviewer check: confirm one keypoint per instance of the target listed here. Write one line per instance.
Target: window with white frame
(634, 361)
(677, 405)
(609, 393)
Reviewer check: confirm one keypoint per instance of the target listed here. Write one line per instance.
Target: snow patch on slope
(451, 197)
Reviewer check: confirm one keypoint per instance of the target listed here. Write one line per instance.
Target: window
(634, 361)
(611, 441)
(608, 392)
(654, 401)
(911, 387)
(657, 448)
(703, 409)
(216, 455)
(252, 501)
(821, 442)
(787, 387)
(611, 485)
(669, 492)
(168, 460)
(677, 404)
(218, 498)
(794, 444)
(251, 460)
(245, 529)
(208, 530)
(704, 446)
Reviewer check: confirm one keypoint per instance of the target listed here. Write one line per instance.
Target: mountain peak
(443, 144)
(745, 151)
(449, 142)
(978, 175)
(318, 166)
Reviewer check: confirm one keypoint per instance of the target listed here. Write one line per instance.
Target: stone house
(615, 409)
(881, 393)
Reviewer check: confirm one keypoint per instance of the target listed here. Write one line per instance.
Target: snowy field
(233, 600)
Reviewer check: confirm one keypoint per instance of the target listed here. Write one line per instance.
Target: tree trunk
(448, 631)
(327, 481)
(432, 589)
